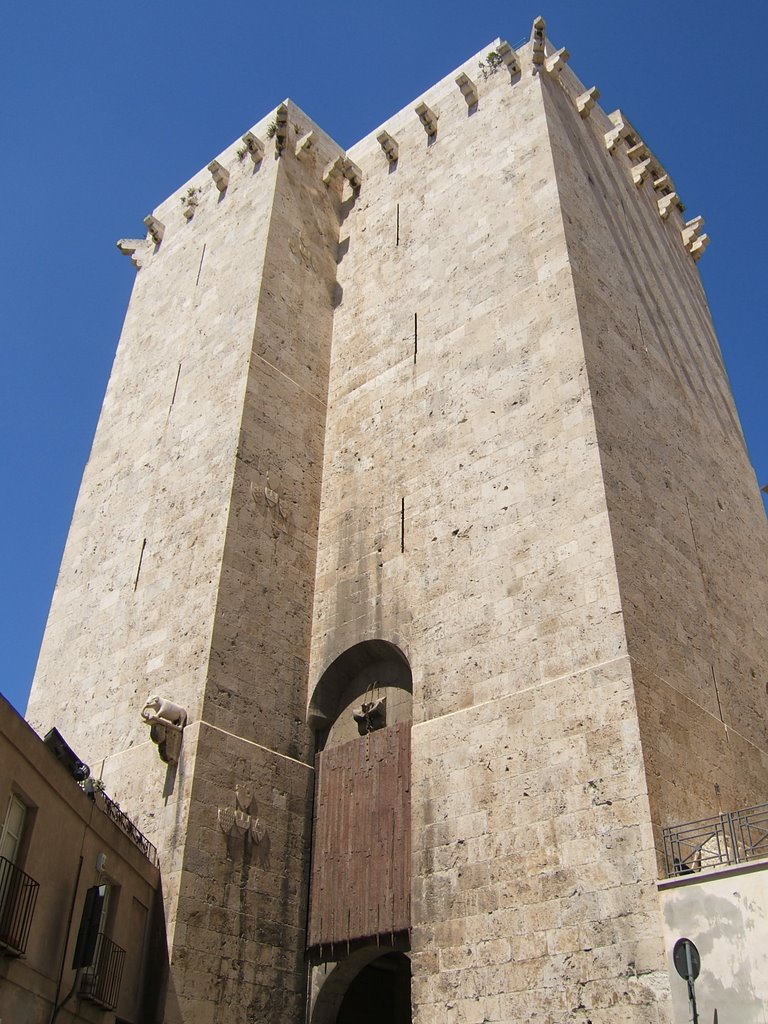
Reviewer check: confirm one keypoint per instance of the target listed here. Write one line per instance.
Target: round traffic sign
(686, 958)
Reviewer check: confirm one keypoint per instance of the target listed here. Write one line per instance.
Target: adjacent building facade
(62, 851)
(419, 494)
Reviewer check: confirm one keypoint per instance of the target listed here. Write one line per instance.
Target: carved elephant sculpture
(166, 722)
(166, 710)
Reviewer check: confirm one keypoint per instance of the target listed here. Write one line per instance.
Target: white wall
(725, 913)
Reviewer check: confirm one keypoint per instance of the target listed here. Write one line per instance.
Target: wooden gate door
(361, 854)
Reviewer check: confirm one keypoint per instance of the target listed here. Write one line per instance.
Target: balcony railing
(101, 982)
(732, 838)
(121, 819)
(18, 894)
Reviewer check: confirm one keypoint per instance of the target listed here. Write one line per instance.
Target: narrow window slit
(397, 224)
(175, 389)
(138, 567)
(199, 269)
(717, 694)
(402, 525)
(415, 336)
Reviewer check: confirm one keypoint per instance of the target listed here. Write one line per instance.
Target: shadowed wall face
(687, 522)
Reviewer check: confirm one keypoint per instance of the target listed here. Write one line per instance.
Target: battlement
(288, 132)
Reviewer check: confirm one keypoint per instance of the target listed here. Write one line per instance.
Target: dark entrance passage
(380, 993)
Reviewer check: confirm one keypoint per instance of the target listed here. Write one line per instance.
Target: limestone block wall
(260, 644)
(460, 433)
(190, 562)
(464, 518)
(133, 608)
(134, 604)
(686, 517)
(240, 935)
(243, 900)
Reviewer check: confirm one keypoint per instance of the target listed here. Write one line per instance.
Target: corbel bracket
(640, 171)
(509, 56)
(220, 175)
(254, 146)
(538, 42)
(155, 228)
(556, 61)
(586, 101)
(468, 89)
(304, 145)
(135, 248)
(389, 144)
(428, 118)
(665, 204)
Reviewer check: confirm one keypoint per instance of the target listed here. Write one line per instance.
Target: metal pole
(691, 991)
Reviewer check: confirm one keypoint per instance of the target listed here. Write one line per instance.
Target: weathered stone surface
(468, 400)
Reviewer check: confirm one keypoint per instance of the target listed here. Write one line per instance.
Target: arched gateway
(359, 916)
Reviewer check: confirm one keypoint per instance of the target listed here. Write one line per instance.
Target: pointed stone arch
(361, 850)
(369, 667)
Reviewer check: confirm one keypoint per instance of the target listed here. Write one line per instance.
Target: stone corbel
(135, 248)
(220, 175)
(166, 722)
(509, 56)
(556, 61)
(342, 169)
(691, 231)
(428, 118)
(663, 185)
(254, 146)
(638, 151)
(612, 137)
(352, 173)
(586, 101)
(666, 203)
(389, 144)
(622, 129)
(538, 42)
(468, 89)
(304, 145)
(155, 228)
(332, 175)
(281, 128)
(693, 240)
(640, 171)
(189, 202)
(698, 247)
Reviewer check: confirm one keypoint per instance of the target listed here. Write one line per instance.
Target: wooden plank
(360, 875)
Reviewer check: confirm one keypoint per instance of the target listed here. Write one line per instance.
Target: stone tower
(419, 486)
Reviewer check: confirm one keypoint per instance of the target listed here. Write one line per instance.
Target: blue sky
(109, 107)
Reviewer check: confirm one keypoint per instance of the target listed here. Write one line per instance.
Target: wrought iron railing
(731, 838)
(100, 983)
(121, 819)
(18, 894)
